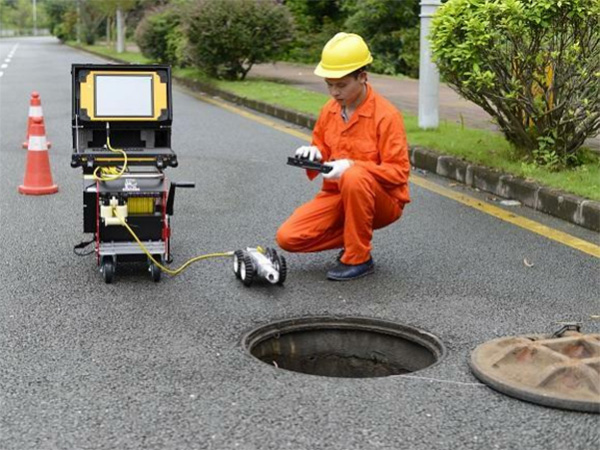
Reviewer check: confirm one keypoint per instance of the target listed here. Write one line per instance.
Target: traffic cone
(35, 110)
(38, 179)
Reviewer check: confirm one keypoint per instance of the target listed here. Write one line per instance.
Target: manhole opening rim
(272, 330)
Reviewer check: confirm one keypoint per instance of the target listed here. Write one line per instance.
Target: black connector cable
(82, 245)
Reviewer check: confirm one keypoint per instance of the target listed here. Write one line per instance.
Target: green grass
(278, 94)
(477, 146)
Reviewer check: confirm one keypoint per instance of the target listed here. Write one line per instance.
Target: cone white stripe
(37, 143)
(35, 111)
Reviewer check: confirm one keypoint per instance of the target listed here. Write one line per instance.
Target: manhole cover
(344, 347)
(562, 372)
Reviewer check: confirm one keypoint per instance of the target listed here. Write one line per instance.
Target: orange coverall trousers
(341, 218)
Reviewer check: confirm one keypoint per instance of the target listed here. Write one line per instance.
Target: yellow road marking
(507, 216)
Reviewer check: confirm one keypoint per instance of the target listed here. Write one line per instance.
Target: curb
(571, 208)
(565, 206)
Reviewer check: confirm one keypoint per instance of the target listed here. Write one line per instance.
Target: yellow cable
(114, 174)
(159, 265)
(111, 173)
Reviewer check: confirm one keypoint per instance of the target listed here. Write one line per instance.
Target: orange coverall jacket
(370, 194)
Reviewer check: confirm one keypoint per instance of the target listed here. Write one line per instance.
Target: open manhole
(561, 372)
(353, 347)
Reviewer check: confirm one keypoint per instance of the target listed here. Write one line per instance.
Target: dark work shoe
(345, 272)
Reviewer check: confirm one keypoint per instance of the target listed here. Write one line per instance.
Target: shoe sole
(369, 272)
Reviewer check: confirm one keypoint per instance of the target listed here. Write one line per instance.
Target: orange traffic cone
(35, 110)
(38, 179)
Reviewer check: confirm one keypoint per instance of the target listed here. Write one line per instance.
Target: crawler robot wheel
(247, 270)
(155, 271)
(238, 256)
(108, 269)
(279, 263)
(281, 266)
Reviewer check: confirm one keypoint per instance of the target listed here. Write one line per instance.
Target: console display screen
(124, 96)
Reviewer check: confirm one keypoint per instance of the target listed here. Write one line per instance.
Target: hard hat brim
(323, 72)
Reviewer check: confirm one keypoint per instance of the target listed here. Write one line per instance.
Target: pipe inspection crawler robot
(259, 263)
(121, 122)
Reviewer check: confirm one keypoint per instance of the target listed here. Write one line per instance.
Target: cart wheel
(247, 270)
(238, 255)
(281, 266)
(155, 271)
(108, 269)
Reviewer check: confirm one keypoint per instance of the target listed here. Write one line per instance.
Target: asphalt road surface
(143, 365)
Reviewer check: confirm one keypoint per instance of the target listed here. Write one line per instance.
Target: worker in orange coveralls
(361, 136)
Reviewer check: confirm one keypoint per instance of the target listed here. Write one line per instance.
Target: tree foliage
(143, 7)
(92, 14)
(109, 7)
(533, 65)
(316, 21)
(391, 29)
(228, 37)
(17, 15)
(61, 18)
(23, 14)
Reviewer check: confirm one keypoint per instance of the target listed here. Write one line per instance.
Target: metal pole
(34, 18)
(120, 33)
(429, 77)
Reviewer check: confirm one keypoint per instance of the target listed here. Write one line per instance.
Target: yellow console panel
(123, 96)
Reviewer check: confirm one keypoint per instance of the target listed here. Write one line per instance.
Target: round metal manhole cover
(561, 372)
(352, 347)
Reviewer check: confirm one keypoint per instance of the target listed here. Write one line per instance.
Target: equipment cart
(121, 121)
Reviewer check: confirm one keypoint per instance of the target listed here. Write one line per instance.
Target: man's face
(346, 90)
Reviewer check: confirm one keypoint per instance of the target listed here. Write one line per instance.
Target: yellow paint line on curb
(507, 216)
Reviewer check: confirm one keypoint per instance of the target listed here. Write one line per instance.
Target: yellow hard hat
(343, 54)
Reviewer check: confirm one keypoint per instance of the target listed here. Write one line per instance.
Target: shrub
(228, 37)
(67, 29)
(533, 65)
(160, 37)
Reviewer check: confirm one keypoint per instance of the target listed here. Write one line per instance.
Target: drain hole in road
(344, 347)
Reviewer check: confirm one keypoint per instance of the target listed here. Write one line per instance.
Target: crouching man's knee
(356, 178)
(284, 238)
